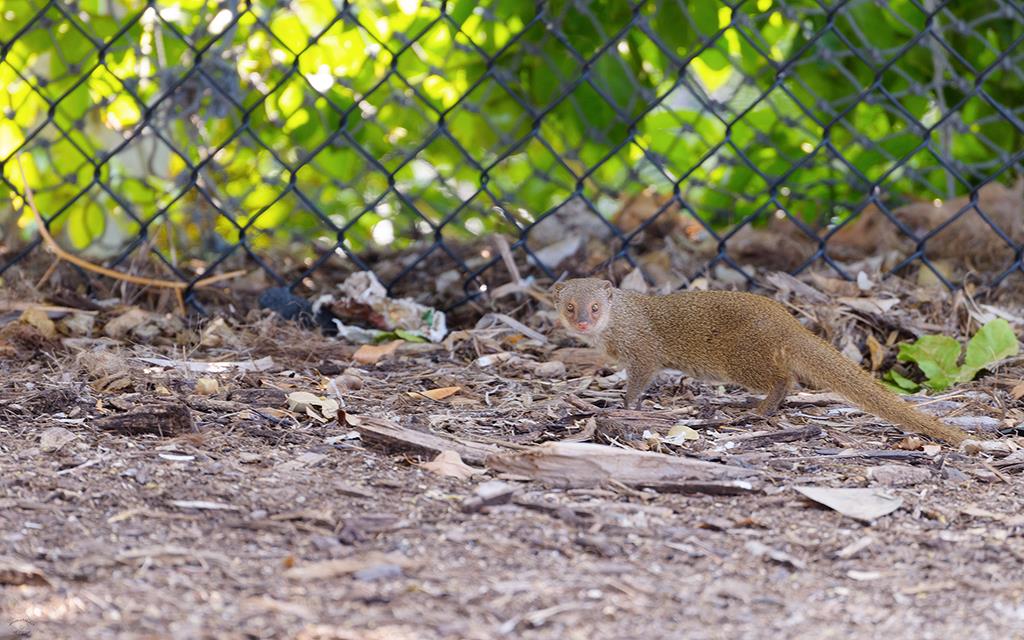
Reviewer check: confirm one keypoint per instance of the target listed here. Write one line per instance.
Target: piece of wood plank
(387, 433)
(722, 488)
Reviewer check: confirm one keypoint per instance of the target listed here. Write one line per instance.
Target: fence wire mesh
(192, 137)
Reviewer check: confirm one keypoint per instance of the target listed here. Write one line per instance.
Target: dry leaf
(681, 432)
(372, 353)
(314, 406)
(910, 443)
(877, 352)
(302, 400)
(1018, 391)
(435, 394)
(16, 572)
(449, 463)
(861, 504)
(329, 407)
(38, 318)
(634, 281)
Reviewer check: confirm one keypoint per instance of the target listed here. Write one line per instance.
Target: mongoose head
(584, 304)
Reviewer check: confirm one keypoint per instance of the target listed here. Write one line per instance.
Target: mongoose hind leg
(773, 400)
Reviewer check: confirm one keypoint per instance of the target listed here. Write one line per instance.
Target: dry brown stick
(764, 438)
(49, 272)
(62, 254)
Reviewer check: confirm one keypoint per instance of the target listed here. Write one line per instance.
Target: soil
(139, 501)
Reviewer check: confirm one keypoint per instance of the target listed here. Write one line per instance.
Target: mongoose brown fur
(728, 336)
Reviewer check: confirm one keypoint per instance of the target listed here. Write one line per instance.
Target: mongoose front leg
(773, 400)
(637, 381)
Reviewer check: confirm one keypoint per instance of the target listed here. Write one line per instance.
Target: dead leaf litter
(248, 477)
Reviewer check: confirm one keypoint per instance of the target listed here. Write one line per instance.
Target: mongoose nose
(582, 324)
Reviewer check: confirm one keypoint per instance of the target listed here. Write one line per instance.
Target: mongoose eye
(594, 308)
(570, 307)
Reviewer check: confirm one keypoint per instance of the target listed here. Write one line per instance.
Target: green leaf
(937, 357)
(460, 10)
(992, 343)
(409, 336)
(902, 383)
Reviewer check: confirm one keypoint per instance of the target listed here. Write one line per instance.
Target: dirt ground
(148, 499)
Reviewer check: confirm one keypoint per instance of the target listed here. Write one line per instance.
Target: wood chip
(164, 420)
(196, 366)
(764, 438)
(203, 505)
(855, 548)
(579, 464)
(380, 431)
(347, 566)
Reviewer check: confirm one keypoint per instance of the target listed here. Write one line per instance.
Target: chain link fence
(185, 139)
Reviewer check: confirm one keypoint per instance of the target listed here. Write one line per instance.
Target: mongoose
(728, 336)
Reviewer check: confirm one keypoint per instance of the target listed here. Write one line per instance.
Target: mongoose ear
(556, 290)
(607, 286)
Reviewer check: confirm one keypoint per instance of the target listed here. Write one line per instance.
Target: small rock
(77, 324)
(54, 438)
(325, 543)
(378, 572)
(207, 386)
(717, 523)
(146, 332)
(128, 321)
(487, 494)
(898, 475)
(349, 382)
(286, 304)
(955, 476)
(218, 334)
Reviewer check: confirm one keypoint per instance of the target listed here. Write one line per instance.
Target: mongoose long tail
(818, 364)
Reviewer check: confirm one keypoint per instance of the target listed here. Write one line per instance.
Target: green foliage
(938, 357)
(277, 109)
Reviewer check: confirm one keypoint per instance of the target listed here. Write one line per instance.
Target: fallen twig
(177, 286)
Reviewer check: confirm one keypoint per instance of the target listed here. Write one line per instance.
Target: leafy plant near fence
(944, 362)
(202, 125)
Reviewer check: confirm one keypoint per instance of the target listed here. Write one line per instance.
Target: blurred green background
(380, 122)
